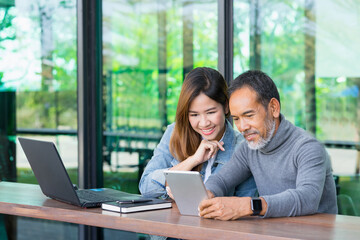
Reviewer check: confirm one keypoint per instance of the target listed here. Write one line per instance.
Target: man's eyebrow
(247, 112)
(244, 113)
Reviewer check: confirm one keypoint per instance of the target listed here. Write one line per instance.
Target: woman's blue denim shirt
(152, 182)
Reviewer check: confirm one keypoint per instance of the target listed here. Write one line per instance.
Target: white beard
(270, 129)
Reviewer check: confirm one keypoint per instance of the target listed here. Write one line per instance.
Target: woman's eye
(211, 112)
(193, 115)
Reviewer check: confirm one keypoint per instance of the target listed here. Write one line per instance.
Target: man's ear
(274, 108)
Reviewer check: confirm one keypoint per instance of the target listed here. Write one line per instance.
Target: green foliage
(335, 109)
(350, 186)
(134, 83)
(124, 181)
(132, 91)
(205, 37)
(283, 52)
(174, 60)
(241, 38)
(35, 109)
(1, 76)
(38, 109)
(6, 22)
(131, 56)
(282, 58)
(26, 175)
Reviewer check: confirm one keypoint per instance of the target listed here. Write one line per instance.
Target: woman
(201, 138)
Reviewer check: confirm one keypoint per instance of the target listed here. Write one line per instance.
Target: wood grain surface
(27, 200)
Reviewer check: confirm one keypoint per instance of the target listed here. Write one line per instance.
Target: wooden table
(27, 200)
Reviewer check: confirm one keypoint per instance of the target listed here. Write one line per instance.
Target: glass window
(310, 49)
(38, 84)
(268, 35)
(148, 48)
(38, 74)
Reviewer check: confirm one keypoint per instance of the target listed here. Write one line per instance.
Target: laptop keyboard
(90, 196)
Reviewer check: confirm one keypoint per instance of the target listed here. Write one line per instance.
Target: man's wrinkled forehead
(257, 98)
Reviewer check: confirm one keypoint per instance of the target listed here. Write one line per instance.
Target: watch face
(256, 204)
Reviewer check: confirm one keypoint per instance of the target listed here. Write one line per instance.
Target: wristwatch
(256, 206)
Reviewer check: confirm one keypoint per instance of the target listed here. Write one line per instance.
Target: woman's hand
(206, 150)
(168, 191)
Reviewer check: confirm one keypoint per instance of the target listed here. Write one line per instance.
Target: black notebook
(129, 207)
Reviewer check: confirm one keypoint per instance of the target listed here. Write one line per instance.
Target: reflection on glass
(38, 69)
(241, 39)
(148, 48)
(300, 46)
(66, 146)
(311, 50)
(38, 39)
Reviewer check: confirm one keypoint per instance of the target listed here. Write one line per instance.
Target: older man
(291, 168)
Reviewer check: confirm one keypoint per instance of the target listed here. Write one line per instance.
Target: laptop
(54, 180)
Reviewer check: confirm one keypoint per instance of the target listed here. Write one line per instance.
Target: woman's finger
(168, 191)
(220, 145)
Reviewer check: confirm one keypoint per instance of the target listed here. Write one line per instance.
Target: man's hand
(225, 208)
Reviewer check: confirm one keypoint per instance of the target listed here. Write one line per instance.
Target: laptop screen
(49, 170)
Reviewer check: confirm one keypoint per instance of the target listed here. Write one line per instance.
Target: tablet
(188, 190)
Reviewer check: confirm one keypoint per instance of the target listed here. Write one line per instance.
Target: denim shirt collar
(229, 141)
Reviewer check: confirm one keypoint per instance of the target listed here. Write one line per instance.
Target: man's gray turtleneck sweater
(292, 173)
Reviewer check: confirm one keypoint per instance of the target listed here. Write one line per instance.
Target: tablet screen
(188, 190)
